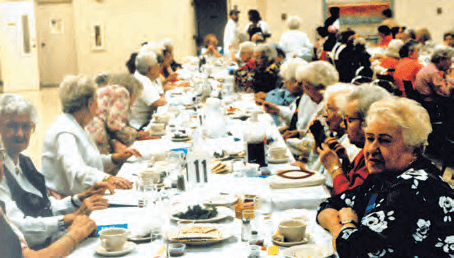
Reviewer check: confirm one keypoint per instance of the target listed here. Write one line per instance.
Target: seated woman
(41, 218)
(262, 74)
(169, 66)
(110, 127)
(211, 49)
(384, 65)
(70, 160)
(403, 208)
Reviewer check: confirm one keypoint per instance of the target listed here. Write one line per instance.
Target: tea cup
(293, 230)
(278, 152)
(113, 239)
(157, 128)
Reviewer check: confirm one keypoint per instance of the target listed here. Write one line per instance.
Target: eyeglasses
(349, 120)
(14, 127)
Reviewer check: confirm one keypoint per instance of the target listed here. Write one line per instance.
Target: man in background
(231, 33)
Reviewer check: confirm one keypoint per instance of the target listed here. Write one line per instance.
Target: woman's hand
(92, 203)
(98, 188)
(290, 134)
(328, 158)
(348, 214)
(298, 164)
(82, 227)
(270, 108)
(124, 155)
(283, 129)
(120, 183)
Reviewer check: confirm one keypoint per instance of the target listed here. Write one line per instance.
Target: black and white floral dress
(409, 214)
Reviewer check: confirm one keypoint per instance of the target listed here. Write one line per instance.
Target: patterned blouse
(249, 79)
(111, 120)
(409, 214)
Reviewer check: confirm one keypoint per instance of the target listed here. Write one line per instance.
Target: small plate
(306, 239)
(139, 239)
(312, 250)
(185, 139)
(129, 247)
(278, 161)
(221, 200)
(224, 235)
(158, 134)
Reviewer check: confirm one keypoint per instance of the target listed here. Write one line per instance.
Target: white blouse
(71, 162)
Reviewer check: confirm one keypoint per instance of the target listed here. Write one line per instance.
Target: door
(57, 47)
(18, 47)
(211, 18)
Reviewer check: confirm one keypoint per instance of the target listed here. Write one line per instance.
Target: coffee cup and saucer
(113, 242)
(157, 129)
(291, 232)
(278, 155)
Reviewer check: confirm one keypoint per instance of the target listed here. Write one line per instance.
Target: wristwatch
(334, 169)
(61, 225)
(350, 221)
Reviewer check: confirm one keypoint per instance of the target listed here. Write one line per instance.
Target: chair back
(410, 91)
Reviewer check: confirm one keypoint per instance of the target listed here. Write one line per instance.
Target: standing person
(257, 25)
(231, 32)
(294, 42)
(388, 20)
(331, 28)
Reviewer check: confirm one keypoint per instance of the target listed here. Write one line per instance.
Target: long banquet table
(285, 203)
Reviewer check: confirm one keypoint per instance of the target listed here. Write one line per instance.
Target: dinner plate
(129, 246)
(224, 235)
(308, 250)
(158, 134)
(278, 161)
(223, 213)
(185, 139)
(139, 239)
(306, 239)
(221, 200)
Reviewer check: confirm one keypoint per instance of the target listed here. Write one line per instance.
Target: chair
(387, 85)
(410, 91)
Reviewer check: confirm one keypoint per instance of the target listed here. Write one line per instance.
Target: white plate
(223, 213)
(221, 200)
(309, 250)
(278, 161)
(225, 235)
(303, 241)
(158, 134)
(180, 139)
(126, 249)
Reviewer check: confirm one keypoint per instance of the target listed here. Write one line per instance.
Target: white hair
(339, 91)
(408, 115)
(16, 104)
(289, 68)
(75, 92)
(155, 47)
(267, 50)
(247, 46)
(318, 73)
(144, 61)
(366, 94)
(293, 22)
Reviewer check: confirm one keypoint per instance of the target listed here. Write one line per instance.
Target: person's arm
(441, 84)
(82, 227)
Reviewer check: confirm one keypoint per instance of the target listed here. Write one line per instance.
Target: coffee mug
(113, 239)
(157, 127)
(251, 169)
(278, 152)
(293, 230)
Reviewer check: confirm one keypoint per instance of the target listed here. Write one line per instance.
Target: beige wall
(126, 25)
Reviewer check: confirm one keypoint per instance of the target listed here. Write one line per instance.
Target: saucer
(126, 249)
(306, 239)
(181, 139)
(278, 161)
(158, 133)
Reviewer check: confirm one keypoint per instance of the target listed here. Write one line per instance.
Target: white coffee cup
(278, 152)
(251, 169)
(149, 176)
(293, 230)
(163, 118)
(157, 127)
(158, 156)
(113, 239)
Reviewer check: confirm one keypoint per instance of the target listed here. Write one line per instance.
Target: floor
(48, 105)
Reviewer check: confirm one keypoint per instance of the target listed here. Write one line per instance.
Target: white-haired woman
(41, 218)
(403, 208)
(110, 127)
(294, 42)
(263, 74)
(71, 161)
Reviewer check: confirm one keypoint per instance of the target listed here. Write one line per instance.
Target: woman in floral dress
(403, 209)
(110, 127)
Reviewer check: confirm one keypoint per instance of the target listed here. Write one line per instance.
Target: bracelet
(73, 239)
(350, 221)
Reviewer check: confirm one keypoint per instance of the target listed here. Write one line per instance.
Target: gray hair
(318, 73)
(366, 95)
(268, 50)
(16, 104)
(102, 79)
(129, 81)
(247, 46)
(289, 68)
(408, 115)
(155, 47)
(293, 22)
(339, 91)
(144, 61)
(75, 92)
(440, 54)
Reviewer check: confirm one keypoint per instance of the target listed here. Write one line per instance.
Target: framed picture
(52, 1)
(97, 36)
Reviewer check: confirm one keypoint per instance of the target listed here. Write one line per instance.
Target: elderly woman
(314, 78)
(403, 209)
(169, 66)
(245, 54)
(384, 65)
(41, 218)
(71, 161)
(15, 245)
(110, 127)
(211, 48)
(294, 42)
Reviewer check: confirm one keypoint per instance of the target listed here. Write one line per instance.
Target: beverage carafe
(254, 136)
